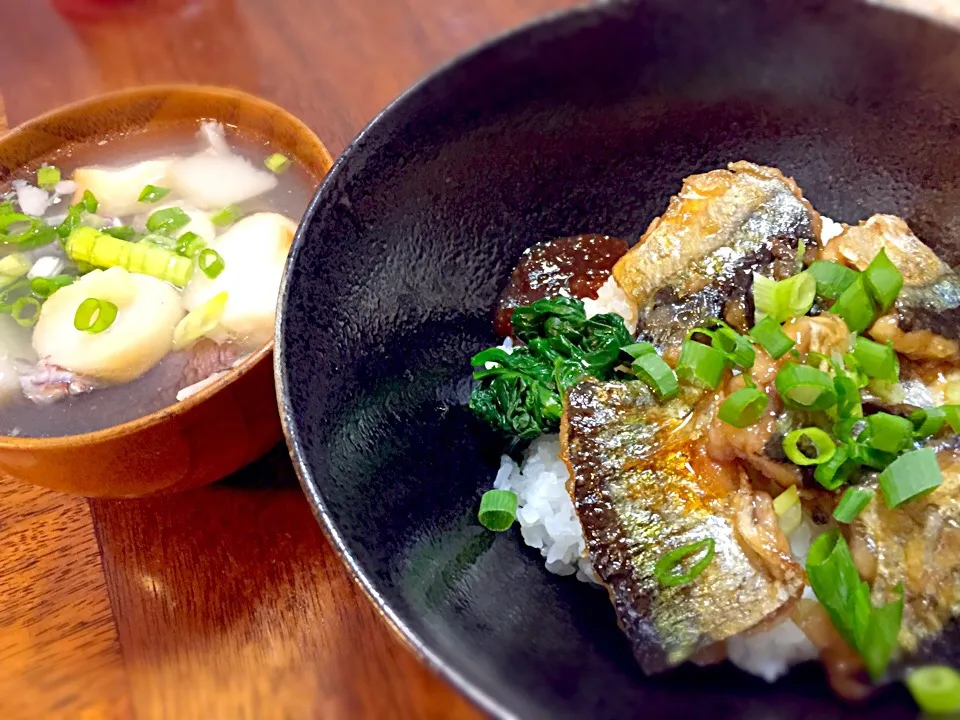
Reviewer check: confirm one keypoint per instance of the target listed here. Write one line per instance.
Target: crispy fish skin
(642, 484)
(917, 545)
(713, 235)
(925, 323)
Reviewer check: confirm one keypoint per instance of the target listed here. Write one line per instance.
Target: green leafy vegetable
(521, 394)
(871, 631)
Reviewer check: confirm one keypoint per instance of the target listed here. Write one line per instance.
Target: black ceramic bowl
(585, 122)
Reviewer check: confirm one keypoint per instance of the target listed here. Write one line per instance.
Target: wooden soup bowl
(227, 424)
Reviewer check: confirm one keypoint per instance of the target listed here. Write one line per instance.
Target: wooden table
(226, 602)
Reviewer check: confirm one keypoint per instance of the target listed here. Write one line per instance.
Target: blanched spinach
(522, 394)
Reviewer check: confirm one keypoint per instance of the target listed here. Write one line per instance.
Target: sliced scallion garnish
(94, 315)
(199, 321)
(888, 433)
(210, 263)
(637, 349)
(832, 278)
(48, 176)
(190, 244)
(799, 444)
(89, 201)
(734, 346)
(877, 361)
(743, 407)
(883, 280)
(935, 688)
(13, 266)
(121, 232)
(771, 337)
(835, 471)
(152, 194)
(855, 306)
(701, 364)
(167, 220)
(498, 510)
(651, 368)
(848, 397)
(927, 421)
(277, 163)
(229, 215)
(784, 299)
(26, 311)
(805, 388)
(669, 568)
(45, 287)
(910, 475)
(852, 503)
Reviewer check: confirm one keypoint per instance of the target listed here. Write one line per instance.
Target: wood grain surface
(225, 602)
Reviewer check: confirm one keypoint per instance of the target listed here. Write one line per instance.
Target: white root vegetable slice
(254, 252)
(211, 182)
(148, 310)
(117, 189)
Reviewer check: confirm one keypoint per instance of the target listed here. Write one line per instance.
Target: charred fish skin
(641, 489)
(697, 260)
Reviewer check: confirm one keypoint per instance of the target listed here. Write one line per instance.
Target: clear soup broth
(57, 379)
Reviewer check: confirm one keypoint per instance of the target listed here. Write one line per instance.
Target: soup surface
(216, 209)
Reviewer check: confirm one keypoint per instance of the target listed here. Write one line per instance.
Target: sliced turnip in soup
(148, 309)
(254, 252)
(117, 190)
(211, 182)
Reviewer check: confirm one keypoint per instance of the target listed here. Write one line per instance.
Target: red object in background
(89, 9)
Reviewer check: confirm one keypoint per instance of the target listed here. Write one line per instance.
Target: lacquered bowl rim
(229, 376)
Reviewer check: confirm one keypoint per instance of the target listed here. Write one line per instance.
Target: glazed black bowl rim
(484, 700)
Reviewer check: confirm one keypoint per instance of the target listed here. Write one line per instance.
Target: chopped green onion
(88, 245)
(876, 360)
(72, 220)
(210, 262)
(855, 306)
(637, 349)
(230, 214)
(852, 503)
(910, 475)
(190, 244)
(277, 163)
(122, 232)
(45, 287)
(734, 346)
(784, 299)
(651, 368)
(26, 311)
(832, 278)
(853, 369)
(152, 194)
(927, 421)
(167, 220)
(889, 433)
(863, 454)
(498, 510)
(668, 569)
(788, 509)
(48, 176)
(701, 364)
(743, 407)
(883, 280)
(14, 266)
(771, 337)
(952, 414)
(848, 397)
(94, 315)
(871, 631)
(835, 471)
(813, 438)
(89, 201)
(805, 388)
(935, 688)
(199, 321)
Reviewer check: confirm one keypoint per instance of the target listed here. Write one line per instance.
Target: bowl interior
(585, 123)
(160, 109)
